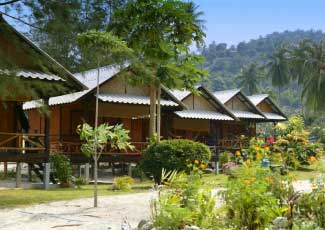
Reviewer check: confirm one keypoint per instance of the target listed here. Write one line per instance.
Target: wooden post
(5, 169)
(18, 175)
(46, 168)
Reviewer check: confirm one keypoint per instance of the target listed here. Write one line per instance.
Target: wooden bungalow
(236, 134)
(203, 118)
(26, 72)
(119, 102)
(269, 109)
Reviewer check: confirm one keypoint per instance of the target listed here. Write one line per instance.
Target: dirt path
(79, 214)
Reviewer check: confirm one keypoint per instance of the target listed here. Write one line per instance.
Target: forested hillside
(225, 62)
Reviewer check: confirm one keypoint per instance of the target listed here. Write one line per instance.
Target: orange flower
(196, 162)
(258, 156)
(269, 180)
(267, 148)
(247, 182)
(237, 153)
(254, 178)
(312, 159)
(248, 161)
(257, 148)
(203, 166)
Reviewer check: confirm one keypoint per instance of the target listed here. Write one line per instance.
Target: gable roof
(226, 95)
(278, 115)
(46, 68)
(89, 78)
(199, 114)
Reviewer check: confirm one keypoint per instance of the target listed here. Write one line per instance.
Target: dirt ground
(79, 214)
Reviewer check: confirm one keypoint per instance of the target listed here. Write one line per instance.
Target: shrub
(249, 203)
(62, 168)
(187, 201)
(123, 183)
(224, 157)
(180, 155)
(80, 181)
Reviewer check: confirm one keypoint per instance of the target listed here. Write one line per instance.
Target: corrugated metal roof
(225, 95)
(132, 99)
(88, 78)
(199, 114)
(274, 116)
(257, 98)
(33, 75)
(64, 99)
(246, 114)
(180, 94)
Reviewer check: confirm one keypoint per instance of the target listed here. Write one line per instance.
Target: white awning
(246, 114)
(274, 116)
(32, 74)
(132, 99)
(198, 114)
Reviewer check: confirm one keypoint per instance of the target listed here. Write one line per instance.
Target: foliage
(123, 183)
(80, 181)
(249, 203)
(60, 22)
(250, 78)
(312, 204)
(185, 202)
(115, 136)
(62, 168)
(178, 154)
(102, 48)
(224, 157)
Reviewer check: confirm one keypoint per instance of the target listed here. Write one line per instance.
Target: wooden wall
(236, 104)
(197, 102)
(265, 107)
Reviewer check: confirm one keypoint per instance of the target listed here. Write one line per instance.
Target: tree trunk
(95, 144)
(152, 122)
(158, 113)
(95, 181)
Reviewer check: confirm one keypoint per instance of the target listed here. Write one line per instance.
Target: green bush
(123, 183)
(224, 157)
(171, 155)
(80, 181)
(62, 168)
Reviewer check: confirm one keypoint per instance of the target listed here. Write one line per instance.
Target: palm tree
(278, 67)
(313, 80)
(249, 78)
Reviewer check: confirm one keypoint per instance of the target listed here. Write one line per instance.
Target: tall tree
(278, 67)
(250, 78)
(60, 22)
(101, 48)
(161, 33)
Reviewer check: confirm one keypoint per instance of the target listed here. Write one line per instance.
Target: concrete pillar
(130, 170)
(46, 176)
(18, 175)
(87, 167)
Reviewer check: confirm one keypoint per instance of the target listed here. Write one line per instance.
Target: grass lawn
(24, 197)
(309, 172)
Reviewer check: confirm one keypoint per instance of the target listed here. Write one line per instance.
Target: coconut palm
(277, 68)
(250, 77)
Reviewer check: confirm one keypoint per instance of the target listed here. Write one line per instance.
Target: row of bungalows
(26, 73)
(219, 119)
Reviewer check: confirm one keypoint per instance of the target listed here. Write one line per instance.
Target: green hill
(225, 62)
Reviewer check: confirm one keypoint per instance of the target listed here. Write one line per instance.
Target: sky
(233, 21)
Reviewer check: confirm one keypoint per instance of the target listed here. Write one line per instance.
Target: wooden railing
(233, 143)
(21, 142)
(71, 147)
